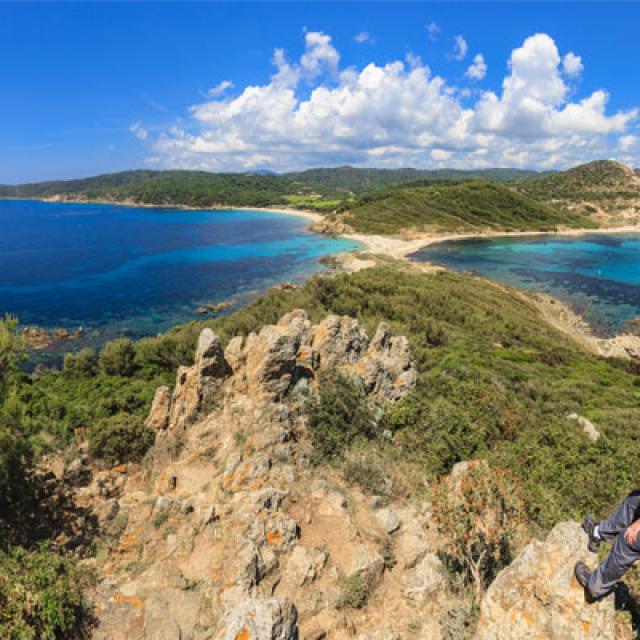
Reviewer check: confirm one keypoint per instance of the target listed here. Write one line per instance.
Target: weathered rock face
(232, 534)
(161, 406)
(270, 619)
(538, 598)
(387, 369)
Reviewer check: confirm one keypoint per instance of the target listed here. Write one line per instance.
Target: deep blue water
(599, 275)
(115, 269)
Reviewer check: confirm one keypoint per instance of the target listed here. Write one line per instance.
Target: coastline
(558, 314)
(401, 248)
(555, 312)
(312, 216)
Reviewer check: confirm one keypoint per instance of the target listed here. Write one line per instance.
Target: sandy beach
(400, 248)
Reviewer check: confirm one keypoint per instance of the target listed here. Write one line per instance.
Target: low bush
(339, 414)
(118, 358)
(120, 439)
(480, 512)
(84, 363)
(41, 596)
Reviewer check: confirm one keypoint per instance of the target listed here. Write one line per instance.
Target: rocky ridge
(227, 532)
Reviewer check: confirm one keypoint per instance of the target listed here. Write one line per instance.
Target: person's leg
(623, 555)
(621, 518)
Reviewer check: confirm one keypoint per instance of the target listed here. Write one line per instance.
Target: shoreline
(401, 248)
(313, 216)
(555, 312)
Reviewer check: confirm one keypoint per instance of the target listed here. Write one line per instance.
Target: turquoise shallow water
(120, 270)
(599, 275)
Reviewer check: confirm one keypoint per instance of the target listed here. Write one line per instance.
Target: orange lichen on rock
(274, 537)
(132, 600)
(244, 634)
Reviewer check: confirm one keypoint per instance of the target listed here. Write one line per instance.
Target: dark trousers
(623, 555)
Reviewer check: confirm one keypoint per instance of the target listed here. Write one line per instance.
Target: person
(623, 527)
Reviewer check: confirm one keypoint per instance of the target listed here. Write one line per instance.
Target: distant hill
(189, 188)
(603, 188)
(355, 180)
(316, 188)
(385, 200)
(459, 206)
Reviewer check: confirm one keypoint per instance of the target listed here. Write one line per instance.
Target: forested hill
(384, 200)
(604, 187)
(454, 206)
(351, 179)
(323, 189)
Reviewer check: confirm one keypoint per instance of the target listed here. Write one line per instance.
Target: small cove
(598, 275)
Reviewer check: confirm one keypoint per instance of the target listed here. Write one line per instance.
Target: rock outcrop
(538, 598)
(232, 534)
(268, 364)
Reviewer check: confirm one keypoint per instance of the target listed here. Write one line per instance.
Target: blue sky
(91, 88)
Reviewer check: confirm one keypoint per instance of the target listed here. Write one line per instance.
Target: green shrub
(118, 358)
(41, 596)
(338, 415)
(355, 591)
(120, 439)
(84, 363)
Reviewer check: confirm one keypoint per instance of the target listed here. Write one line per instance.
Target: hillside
(321, 189)
(188, 188)
(454, 206)
(605, 190)
(271, 479)
(355, 180)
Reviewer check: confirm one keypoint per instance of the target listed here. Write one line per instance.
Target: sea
(117, 270)
(598, 275)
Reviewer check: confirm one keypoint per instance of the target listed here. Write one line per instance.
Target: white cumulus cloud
(477, 69)
(572, 65)
(312, 112)
(219, 89)
(460, 48)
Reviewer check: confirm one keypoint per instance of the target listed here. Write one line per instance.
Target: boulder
(426, 578)
(253, 619)
(388, 520)
(211, 366)
(587, 426)
(538, 598)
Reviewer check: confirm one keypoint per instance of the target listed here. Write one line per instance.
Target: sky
(92, 88)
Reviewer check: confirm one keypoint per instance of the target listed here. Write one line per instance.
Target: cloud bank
(313, 112)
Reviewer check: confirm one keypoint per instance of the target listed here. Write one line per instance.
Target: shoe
(589, 526)
(583, 574)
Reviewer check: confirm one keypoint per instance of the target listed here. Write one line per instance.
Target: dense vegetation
(41, 591)
(354, 180)
(454, 206)
(200, 188)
